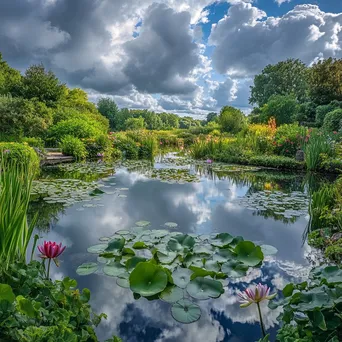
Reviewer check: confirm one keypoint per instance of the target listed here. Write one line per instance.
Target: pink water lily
(256, 295)
(50, 250)
(209, 161)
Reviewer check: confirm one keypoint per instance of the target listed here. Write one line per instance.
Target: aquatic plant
(174, 267)
(15, 232)
(51, 251)
(255, 296)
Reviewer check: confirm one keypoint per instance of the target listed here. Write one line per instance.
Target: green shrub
(288, 139)
(148, 147)
(322, 111)
(331, 165)
(188, 138)
(34, 142)
(72, 146)
(20, 154)
(333, 121)
(37, 309)
(77, 128)
(116, 153)
(99, 146)
(134, 123)
(232, 120)
(128, 147)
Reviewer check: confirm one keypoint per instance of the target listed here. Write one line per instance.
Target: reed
(15, 232)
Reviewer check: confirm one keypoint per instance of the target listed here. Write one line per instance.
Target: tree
(24, 118)
(169, 120)
(323, 110)
(42, 85)
(283, 108)
(232, 120)
(132, 124)
(325, 81)
(108, 108)
(333, 120)
(10, 79)
(283, 78)
(212, 117)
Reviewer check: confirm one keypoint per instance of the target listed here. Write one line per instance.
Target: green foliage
(317, 145)
(212, 117)
(72, 146)
(77, 128)
(283, 108)
(42, 85)
(333, 121)
(128, 147)
(232, 120)
(34, 142)
(20, 154)
(325, 80)
(40, 310)
(277, 162)
(134, 124)
(288, 139)
(100, 146)
(21, 117)
(10, 79)
(322, 111)
(284, 78)
(15, 189)
(312, 309)
(108, 108)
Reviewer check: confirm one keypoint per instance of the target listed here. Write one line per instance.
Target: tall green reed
(15, 232)
(318, 144)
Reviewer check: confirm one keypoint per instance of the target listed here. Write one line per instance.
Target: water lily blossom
(255, 296)
(209, 161)
(50, 250)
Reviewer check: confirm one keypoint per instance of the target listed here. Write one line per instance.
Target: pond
(266, 207)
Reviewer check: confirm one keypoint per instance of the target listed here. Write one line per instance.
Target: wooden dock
(54, 156)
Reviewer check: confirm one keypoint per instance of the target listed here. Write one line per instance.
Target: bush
(232, 120)
(72, 146)
(135, 123)
(322, 111)
(259, 138)
(116, 153)
(19, 154)
(99, 146)
(128, 147)
(288, 139)
(77, 128)
(277, 162)
(34, 142)
(37, 309)
(333, 121)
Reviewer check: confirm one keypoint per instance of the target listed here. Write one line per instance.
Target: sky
(189, 57)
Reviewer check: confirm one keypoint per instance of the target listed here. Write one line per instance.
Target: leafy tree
(284, 78)
(108, 108)
(77, 99)
(306, 113)
(9, 78)
(169, 120)
(135, 123)
(283, 108)
(212, 117)
(333, 120)
(187, 121)
(42, 85)
(232, 120)
(22, 117)
(325, 81)
(323, 110)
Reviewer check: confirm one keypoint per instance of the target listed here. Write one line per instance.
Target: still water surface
(210, 205)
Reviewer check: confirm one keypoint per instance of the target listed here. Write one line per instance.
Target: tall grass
(317, 145)
(209, 148)
(15, 232)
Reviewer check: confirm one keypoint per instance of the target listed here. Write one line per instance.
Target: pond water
(265, 207)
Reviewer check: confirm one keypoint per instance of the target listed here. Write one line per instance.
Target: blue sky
(183, 56)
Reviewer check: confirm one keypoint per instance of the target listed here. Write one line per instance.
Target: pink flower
(335, 132)
(100, 155)
(209, 161)
(256, 295)
(50, 250)
(161, 143)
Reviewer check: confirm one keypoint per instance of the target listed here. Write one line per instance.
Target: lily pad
(222, 240)
(123, 282)
(268, 250)
(133, 262)
(204, 288)
(115, 244)
(248, 253)
(181, 277)
(97, 249)
(185, 311)
(148, 279)
(234, 269)
(142, 223)
(87, 268)
(114, 269)
(171, 225)
(181, 242)
(172, 294)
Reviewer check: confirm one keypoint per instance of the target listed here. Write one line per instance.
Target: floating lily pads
(142, 223)
(114, 269)
(148, 279)
(116, 244)
(185, 311)
(268, 250)
(123, 282)
(87, 268)
(181, 242)
(172, 294)
(97, 249)
(234, 269)
(204, 288)
(248, 253)
(171, 225)
(181, 277)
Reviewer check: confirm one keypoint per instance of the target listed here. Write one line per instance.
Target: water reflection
(201, 207)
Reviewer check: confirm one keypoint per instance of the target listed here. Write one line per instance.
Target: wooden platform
(57, 158)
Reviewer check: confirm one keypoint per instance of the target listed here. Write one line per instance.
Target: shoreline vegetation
(296, 125)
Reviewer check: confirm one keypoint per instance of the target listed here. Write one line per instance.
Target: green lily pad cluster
(287, 205)
(174, 267)
(66, 191)
(173, 175)
(87, 168)
(221, 167)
